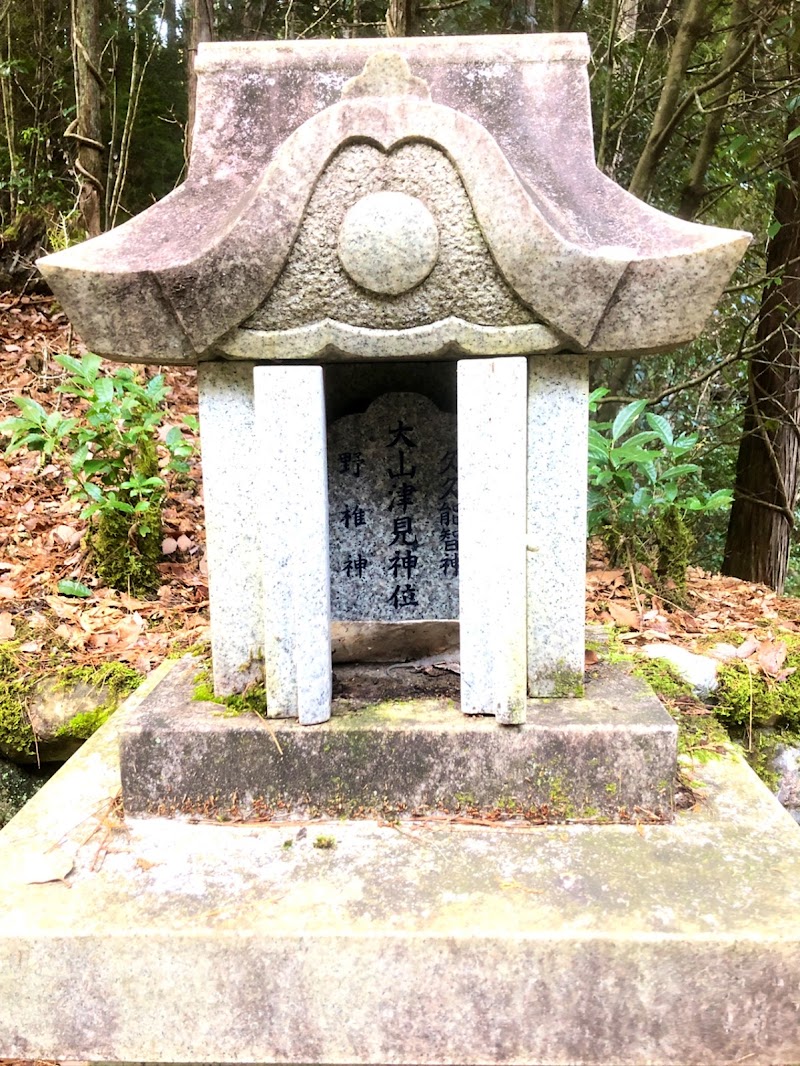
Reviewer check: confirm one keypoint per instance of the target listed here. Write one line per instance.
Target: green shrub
(641, 491)
(111, 453)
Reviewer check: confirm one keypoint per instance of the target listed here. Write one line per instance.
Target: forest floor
(41, 543)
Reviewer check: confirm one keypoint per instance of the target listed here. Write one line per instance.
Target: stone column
(293, 485)
(491, 525)
(230, 482)
(558, 389)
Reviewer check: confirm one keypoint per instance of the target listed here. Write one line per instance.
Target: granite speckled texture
(289, 450)
(462, 279)
(492, 515)
(511, 113)
(558, 420)
(393, 480)
(231, 472)
(388, 242)
(334, 341)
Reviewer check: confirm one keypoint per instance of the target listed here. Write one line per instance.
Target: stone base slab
(611, 755)
(158, 941)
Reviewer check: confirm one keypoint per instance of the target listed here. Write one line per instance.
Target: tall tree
(200, 16)
(401, 18)
(88, 129)
(768, 464)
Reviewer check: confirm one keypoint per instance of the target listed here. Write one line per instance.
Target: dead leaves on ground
(42, 534)
(751, 617)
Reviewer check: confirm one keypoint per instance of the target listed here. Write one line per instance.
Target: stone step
(158, 940)
(611, 755)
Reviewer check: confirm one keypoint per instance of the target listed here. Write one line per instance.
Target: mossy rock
(47, 718)
(753, 700)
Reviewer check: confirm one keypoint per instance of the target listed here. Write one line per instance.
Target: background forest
(696, 110)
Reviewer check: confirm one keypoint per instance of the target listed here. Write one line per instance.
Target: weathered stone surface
(388, 242)
(699, 671)
(336, 341)
(231, 477)
(602, 269)
(492, 435)
(558, 422)
(609, 755)
(292, 517)
(657, 945)
(393, 483)
(464, 281)
(391, 642)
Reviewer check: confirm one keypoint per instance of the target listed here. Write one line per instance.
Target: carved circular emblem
(388, 242)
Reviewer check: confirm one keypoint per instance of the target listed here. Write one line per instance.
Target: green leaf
(104, 388)
(626, 417)
(678, 471)
(31, 410)
(73, 588)
(661, 426)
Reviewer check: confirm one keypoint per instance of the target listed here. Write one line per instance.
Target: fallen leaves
(42, 534)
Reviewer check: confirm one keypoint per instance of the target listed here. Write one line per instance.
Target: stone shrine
(392, 265)
(351, 204)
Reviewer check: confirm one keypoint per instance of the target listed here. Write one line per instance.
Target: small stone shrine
(435, 203)
(392, 263)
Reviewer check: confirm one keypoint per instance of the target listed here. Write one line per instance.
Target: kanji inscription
(393, 492)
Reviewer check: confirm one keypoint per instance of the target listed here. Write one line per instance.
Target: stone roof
(499, 234)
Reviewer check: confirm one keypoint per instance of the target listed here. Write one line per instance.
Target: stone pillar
(289, 449)
(558, 389)
(230, 481)
(491, 524)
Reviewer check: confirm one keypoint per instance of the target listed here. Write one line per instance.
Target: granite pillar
(556, 540)
(231, 470)
(491, 496)
(293, 492)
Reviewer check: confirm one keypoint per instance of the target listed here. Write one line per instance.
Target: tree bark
(171, 23)
(89, 87)
(200, 29)
(765, 493)
(691, 28)
(401, 18)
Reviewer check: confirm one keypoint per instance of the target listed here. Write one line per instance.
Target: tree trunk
(171, 23)
(735, 48)
(762, 516)
(401, 18)
(89, 87)
(200, 29)
(690, 30)
(562, 12)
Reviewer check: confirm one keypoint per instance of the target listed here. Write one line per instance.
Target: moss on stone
(252, 701)
(116, 679)
(16, 689)
(751, 700)
(662, 677)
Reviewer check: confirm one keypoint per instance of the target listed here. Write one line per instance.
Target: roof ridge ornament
(386, 74)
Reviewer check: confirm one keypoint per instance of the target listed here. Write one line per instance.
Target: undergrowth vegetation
(108, 445)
